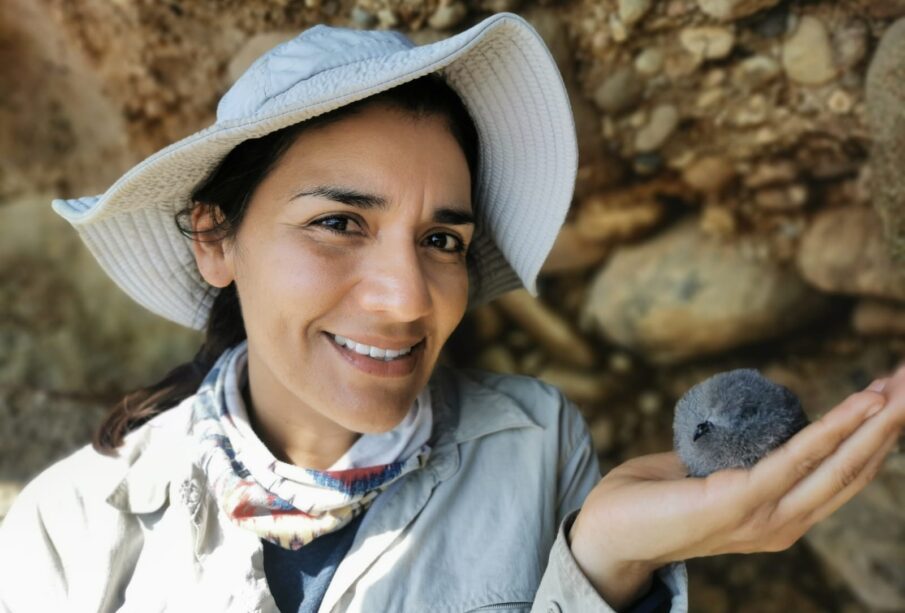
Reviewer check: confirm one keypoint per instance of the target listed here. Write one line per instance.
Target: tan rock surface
(682, 295)
(844, 252)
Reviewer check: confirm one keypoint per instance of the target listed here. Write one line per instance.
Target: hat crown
(316, 51)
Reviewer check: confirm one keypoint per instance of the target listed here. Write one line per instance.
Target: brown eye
(335, 223)
(446, 242)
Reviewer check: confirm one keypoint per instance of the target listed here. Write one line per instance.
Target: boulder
(885, 98)
(843, 252)
(683, 294)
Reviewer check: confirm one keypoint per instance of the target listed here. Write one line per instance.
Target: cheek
(285, 283)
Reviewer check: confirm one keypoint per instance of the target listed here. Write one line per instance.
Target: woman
(355, 196)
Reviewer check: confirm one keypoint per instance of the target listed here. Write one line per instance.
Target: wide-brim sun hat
(500, 68)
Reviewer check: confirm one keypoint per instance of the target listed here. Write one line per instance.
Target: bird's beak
(702, 429)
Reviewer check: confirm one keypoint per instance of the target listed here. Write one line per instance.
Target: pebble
(447, 16)
(787, 198)
(603, 434)
(663, 121)
(578, 386)
(879, 317)
(387, 18)
(728, 10)
(532, 362)
(363, 18)
(9, 490)
(649, 402)
(618, 29)
(840, 102)
(753, 112)
(717, 221)
(649, 62)
(631, 11)
(619, 92)
(754, 72)
(807, 55)
(620, 362)
(709, 175)
(710, 97)
(497, 359)
(707, 42)
(850, 43)
(500, 6)
(679, 66)
(771, 173)
(573, 251)
(621, 214)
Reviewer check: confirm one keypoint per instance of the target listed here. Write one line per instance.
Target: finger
(867, 475)
(781, 469)
(846, 467)
(878, 385)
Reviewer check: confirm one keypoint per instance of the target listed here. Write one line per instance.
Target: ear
(211, 252)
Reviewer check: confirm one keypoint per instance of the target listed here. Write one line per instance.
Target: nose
(394, 282)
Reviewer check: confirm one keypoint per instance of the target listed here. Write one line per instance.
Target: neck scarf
(289, 505)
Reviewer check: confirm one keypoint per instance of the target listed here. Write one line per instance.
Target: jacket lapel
(461, 413)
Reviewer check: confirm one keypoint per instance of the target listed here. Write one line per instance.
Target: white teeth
(373, 352)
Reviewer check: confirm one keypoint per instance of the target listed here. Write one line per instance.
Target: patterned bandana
(288, 505)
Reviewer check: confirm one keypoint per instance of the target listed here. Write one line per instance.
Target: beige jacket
(479, 528)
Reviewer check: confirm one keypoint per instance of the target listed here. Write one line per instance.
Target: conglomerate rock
(753, 119)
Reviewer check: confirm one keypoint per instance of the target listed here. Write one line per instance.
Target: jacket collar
(466, 409)
(160, 452)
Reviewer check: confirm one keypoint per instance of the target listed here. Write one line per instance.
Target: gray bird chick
(732, 420)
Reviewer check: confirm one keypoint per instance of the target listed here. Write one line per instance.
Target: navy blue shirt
(299, 579)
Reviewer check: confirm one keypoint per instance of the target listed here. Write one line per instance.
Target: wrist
(619, 582)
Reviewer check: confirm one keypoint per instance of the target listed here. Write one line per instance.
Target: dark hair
(228, 190)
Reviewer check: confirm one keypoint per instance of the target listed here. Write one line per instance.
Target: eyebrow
(446, 215)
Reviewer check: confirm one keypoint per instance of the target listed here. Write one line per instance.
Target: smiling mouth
(375, 353)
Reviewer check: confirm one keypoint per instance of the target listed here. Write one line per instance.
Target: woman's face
(358, 232)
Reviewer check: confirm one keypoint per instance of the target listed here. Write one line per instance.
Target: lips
(396, 367)
(378, 353)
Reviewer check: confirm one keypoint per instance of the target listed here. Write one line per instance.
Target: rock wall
(739, 203)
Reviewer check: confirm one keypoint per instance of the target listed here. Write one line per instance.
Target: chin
(377, 419)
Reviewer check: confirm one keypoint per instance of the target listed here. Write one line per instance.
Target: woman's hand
(645, 513)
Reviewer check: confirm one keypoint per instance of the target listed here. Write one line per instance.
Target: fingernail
(878, 385)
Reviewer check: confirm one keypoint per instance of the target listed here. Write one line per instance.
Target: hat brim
(508, 81)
